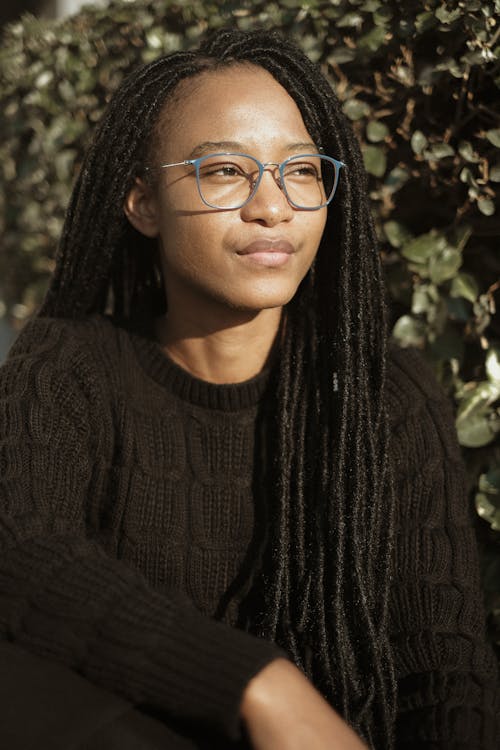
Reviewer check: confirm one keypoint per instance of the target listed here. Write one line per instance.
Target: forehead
(242, 104)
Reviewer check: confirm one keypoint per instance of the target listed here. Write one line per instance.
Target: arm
(283, 711)
(61, 596)
(45, 705)
(447, 674)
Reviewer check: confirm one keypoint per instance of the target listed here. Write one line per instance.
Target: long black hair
(324, 576)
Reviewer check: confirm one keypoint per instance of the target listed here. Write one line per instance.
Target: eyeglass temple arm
(174, 164)
(191, 161)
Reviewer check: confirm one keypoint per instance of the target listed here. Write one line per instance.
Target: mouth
(269, 253)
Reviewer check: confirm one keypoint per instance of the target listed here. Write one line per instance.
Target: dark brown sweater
(126, 510)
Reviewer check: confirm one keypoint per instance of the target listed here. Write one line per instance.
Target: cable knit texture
(126, 511)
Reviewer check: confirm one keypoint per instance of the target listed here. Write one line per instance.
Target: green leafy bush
(420, 83)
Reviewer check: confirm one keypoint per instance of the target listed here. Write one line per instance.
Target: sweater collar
(224, 397)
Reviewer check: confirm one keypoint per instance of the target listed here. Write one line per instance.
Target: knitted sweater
(126, 510)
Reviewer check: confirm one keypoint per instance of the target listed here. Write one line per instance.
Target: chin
(262, 297)
(256, 303)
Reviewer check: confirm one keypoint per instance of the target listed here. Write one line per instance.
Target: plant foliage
(419, 81)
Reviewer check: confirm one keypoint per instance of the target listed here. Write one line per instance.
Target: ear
(141, 208)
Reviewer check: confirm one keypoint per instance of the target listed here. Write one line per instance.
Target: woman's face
(207, 253)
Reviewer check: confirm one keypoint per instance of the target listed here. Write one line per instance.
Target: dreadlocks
(322, 576)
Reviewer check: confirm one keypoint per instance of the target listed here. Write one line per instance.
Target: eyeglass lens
(229, 180)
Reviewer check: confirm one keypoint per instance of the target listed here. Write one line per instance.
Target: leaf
(467, 152)
(382, 15)
(66, 90)
(396, 233)
(480, 56)
(375, 160)
(489, 510)
(445, 265)
(478, 399)
(370, 6)
(355, 109)
(492, 366)
(495, 173)
(341, 55)
(473, 5)
(477, 429)
(418, 141)
(448, 16)
(450, 65)
(420, 300)
(63, 164)
(493, 136)
(420, 249)
(486, 206)
(490, 482)
(373, 40)
(463, 233)
(437, 316)
(44, 79)
(350, 19)
(396, 178)
(439, 151)
(409, 331)
(457, 309)
(464, 285)
(425, 21)
(154, 39)
(311, 46)
(467, 177)
(376, 131)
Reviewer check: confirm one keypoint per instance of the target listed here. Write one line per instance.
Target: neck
(216, 349)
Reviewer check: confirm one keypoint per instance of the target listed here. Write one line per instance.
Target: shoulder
(64, 337)
(69, 345)
(419, 411)
(410, 377)
(51, 355)
(429, 473)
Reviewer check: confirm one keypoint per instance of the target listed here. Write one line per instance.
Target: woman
(227, 498)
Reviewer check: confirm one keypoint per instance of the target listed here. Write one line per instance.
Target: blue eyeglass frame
(261, 167)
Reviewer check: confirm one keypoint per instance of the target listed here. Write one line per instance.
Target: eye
(303, 170)
(221, 170)
(228, 170)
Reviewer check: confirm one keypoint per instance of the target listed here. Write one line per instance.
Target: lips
(278, 247)
(264, 255)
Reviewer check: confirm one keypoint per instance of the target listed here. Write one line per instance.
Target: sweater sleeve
(447, 673)
(61, 595)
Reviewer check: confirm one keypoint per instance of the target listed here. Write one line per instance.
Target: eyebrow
(214, 146)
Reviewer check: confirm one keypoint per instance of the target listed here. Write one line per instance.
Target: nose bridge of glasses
(275, 173)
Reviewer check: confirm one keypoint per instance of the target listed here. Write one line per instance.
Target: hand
(282, 710)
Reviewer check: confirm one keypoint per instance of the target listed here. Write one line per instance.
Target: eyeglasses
(230, 180)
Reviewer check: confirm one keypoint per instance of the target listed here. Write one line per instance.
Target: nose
(269, 204)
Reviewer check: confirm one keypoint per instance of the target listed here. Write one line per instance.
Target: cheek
(193, 244)
(315, 229)
(321, 222)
